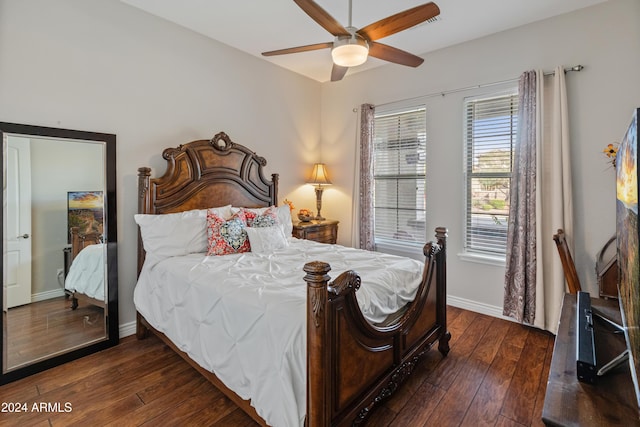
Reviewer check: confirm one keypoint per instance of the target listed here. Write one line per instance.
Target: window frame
(470, 251)
(390, 245)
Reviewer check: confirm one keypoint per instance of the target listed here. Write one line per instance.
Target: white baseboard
(478, 307)
(127, 329)
(41, 296)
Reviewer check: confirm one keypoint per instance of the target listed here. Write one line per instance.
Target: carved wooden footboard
(352, 365)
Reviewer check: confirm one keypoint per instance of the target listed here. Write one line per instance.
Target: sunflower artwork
(611, 152)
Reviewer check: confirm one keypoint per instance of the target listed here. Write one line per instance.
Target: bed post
(317, 359)
(274, 189)
(441, 292)
(144, 175)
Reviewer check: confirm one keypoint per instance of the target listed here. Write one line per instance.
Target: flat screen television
(627, 238)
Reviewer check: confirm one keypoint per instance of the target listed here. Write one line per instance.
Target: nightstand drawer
(323, 235)
(319, 231)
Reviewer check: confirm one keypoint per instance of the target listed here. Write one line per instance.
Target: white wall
(56, 168)
(99, 65)
(604, 38)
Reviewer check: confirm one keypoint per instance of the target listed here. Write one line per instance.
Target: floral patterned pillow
(268, 218)
(226, 237)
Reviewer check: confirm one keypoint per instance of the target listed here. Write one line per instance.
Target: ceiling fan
(352, 46)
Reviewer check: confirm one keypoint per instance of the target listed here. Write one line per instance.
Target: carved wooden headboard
(203, 174)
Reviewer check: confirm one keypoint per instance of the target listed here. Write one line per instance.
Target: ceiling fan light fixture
(349, 51)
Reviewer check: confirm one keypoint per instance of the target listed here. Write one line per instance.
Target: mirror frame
(112, 248)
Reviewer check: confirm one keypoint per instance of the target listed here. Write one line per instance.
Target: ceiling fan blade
(400, 21)
(338, 72)
(323, 18)
(298, 49)
(392, 54)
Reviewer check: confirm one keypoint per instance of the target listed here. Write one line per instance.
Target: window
(490, 134)
(399, 172)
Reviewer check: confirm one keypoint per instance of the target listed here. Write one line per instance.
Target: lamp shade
(349, 51)
(319, 175)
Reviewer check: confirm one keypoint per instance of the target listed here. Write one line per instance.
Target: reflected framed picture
(85, 209)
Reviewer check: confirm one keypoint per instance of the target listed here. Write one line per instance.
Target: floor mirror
(59, 247)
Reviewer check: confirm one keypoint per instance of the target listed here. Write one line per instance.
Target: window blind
(490, 134)
(399, 176)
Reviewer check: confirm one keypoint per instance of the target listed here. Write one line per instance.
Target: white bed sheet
(243, 316)
(87, 272)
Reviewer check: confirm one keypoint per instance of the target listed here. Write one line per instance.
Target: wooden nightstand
(325, 231)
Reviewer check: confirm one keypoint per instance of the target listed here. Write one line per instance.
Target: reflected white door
(18, 222)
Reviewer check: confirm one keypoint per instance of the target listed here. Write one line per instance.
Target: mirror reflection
(55, 275)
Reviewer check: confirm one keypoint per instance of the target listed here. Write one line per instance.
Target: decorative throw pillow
(266, 218)
(265, 240)
(283, 214)
(227, 236)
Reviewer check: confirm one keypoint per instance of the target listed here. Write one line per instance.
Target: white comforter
(243, 316)
(87, 272)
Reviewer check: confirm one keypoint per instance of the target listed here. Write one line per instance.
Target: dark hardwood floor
(495, 375)
(49, 327)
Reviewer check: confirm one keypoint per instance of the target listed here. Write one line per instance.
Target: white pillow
(176, 234)
(284, 216)
(265, 240)
(222, 212)
(283, 213)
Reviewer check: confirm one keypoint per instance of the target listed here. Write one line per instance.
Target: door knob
(24, 236)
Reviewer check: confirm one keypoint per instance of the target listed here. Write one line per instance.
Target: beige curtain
(541, 293)
(363, 209)
(556, 199)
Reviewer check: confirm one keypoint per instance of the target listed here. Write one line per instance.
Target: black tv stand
(616, 326)
(618, 329)
(614, 363)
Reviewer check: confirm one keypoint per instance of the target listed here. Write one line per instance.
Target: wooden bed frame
(78, 243)
(352, 365)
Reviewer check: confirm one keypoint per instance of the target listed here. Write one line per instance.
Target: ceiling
(256, 26)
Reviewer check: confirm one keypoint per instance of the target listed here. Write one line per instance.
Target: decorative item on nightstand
(319, 178)
(305, 215)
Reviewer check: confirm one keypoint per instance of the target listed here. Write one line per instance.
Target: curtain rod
(480, 86)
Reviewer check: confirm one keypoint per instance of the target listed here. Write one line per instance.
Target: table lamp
(319, 178)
